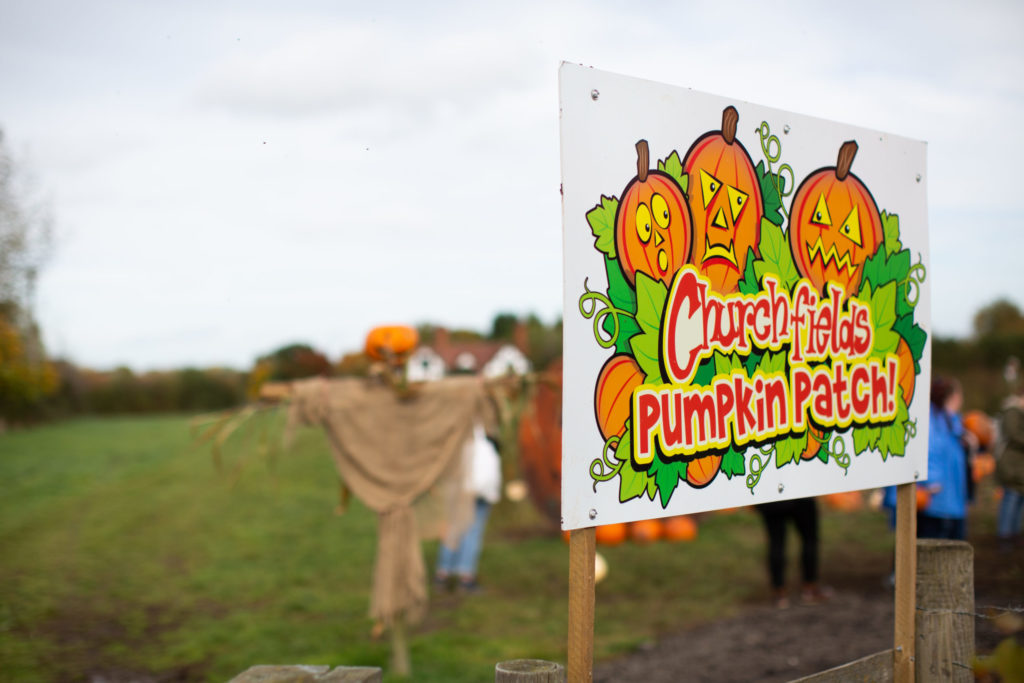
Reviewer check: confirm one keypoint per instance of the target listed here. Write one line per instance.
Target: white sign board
(747, 312)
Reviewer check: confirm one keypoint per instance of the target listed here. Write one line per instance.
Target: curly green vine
(837, 451)
(599, 464)
(767, 140)
(914, 280)
(909, 431)
(600, 313)
(757, 465)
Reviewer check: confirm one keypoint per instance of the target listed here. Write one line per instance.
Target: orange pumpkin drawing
(653, 230)
(834, 225)
(619, 376)
(906, 377)
(813, 444)
(700, 471)
(725, 199)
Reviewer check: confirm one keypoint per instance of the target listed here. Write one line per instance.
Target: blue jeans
(1010, 509)
(463, 559)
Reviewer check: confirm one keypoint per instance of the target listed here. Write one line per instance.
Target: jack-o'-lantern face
(652, 225)
(725, 199)
(834, 225)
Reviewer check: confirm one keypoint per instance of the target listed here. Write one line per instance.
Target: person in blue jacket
(945, 516)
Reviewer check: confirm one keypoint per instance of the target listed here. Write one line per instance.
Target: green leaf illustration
(771, 194)
(750, 284)
(789, 449)
(632, 483)
(674, 168)
(883, 317)
(772, 362)
(865, 438)
(650, 305)
(891, 230)
(914, 336)
(667, 474)
(776, 258)
(602, 224)
(890, 436)
(884, 267)
(622, 297)
(733, 463)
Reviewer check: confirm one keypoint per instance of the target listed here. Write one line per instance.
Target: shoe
(780, 599)
(814, 594)
(469, 586)
(443, 582)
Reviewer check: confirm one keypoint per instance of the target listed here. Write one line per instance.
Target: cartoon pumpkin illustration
(834, 225)
(613, 393)
(725, 199)
(700, 471)
(653, 229)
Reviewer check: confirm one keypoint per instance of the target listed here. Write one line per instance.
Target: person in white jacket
(483, 480)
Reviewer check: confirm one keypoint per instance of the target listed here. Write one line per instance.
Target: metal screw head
(593, 514)
(916, 475)
(594, 94)
(781, 487)
(785, 129)
(918, 177)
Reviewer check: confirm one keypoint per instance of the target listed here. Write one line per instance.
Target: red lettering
(823, 408)
(775, 395)
(700, 408)
(724, 403)
(879, 391)
(671, 423)
(801, 381)
(839, 387)
(859, 377)
(835, 292)
(686, 334)
(650, 415)
(862, 340)
(744, 415)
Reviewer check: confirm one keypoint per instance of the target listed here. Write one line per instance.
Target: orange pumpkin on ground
(725, 199)
(391, 342)
(540, 443)
(613, 393)
(847, 501)
(611, 534)
(645, 531)
(834, 225)
(700, 471)
(680, 528)
(653, 231)
(982, 426)
(906, 378)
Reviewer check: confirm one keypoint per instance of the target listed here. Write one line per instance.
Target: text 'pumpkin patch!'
(834, 225)
(726, 202)
(652, 227)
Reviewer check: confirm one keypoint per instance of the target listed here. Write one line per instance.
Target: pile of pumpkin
(672, 529)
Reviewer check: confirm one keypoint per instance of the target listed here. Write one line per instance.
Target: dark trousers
(804, 514)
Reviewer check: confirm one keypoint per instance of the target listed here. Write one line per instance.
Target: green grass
(124, 551)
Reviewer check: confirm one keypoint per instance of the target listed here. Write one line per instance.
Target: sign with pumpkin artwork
(747, 310)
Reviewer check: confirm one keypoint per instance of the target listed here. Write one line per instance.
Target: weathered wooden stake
(945, 611)
(906, 571)
(581, 604)
(401, 661)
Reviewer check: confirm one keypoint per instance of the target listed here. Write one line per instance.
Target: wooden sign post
(746, 316)
(905, 583)
(582, 548)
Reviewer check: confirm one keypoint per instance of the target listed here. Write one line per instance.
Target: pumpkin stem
(643, 160)
(730, 117)
(846, 154)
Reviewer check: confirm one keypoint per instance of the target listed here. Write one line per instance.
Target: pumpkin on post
(653, 228)
(834, 225)
(725, 199)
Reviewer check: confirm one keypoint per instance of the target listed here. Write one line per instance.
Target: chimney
(441, 340)
(521, 337)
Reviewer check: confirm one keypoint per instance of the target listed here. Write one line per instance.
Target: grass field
(124, 553)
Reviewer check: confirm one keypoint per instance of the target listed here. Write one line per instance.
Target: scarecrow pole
(906, 576)
(581, 604)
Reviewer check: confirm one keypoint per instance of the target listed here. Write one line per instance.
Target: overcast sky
(230, 177)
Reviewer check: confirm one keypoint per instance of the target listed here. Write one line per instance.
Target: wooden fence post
(945, 611)
(529, 671)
